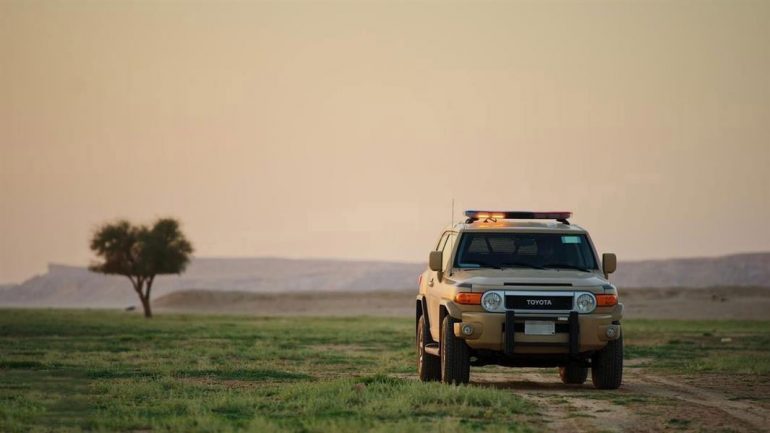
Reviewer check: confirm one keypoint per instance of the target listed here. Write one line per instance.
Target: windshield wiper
(565, 266)
(520, 265)
(479, 267)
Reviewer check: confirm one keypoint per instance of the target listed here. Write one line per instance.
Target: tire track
(580, 408)
(757, 417)
(564, 407)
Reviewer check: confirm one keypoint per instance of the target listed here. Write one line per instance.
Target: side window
(448, 249)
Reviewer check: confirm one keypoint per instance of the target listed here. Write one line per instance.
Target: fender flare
(452, 309)
(423, 309)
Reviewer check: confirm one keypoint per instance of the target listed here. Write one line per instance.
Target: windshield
(525, 250)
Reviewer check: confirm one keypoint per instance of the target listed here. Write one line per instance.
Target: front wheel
(455, 356)
(573, 374)
(607, 365)
(428, 367)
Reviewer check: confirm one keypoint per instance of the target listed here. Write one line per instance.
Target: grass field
(112, 371)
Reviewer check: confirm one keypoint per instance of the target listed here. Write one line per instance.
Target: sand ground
(746, 303)
(646, 402)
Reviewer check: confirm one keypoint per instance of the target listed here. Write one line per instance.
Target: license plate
(539, 327)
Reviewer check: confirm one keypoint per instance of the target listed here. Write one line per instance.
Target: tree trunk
(144, 296)
(146, 306)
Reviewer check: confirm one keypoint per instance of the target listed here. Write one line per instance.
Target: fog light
(467, 330)
(612, 332)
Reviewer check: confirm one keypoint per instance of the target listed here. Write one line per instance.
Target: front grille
(538, 302)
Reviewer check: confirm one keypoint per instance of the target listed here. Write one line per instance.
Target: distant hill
(70, 286)
(750, 269)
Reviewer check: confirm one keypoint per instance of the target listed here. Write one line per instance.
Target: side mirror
(609, 263)
(435, 261)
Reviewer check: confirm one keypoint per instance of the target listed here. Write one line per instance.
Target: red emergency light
(475, 215)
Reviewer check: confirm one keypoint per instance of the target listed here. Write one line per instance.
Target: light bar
(474, 215)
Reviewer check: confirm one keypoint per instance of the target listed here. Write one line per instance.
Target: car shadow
(528, 385)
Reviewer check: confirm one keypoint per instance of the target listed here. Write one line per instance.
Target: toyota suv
(519, 289)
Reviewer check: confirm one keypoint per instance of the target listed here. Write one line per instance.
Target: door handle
(430, 283)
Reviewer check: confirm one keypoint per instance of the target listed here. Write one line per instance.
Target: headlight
(492, 301)
(585, 303)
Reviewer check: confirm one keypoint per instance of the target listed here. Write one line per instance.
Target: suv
(519, 293)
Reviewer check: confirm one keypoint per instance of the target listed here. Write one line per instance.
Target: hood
(483, 279)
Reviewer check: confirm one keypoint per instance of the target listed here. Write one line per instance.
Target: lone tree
(140, 253)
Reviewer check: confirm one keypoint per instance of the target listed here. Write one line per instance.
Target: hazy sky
(328, 129)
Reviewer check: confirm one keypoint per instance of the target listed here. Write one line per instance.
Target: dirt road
(645, 403)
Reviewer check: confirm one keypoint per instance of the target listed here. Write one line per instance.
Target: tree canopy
(141, 252)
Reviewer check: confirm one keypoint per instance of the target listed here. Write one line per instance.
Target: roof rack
(487, 216)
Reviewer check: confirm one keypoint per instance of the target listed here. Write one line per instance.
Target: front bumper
(575, 333)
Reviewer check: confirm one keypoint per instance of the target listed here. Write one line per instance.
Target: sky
(345, 129)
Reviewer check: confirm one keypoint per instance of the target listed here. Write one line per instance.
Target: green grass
(735, 347)
(113, 371)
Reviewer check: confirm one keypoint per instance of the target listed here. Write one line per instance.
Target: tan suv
(519, 289)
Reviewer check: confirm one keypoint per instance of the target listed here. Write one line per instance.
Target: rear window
(535, 250)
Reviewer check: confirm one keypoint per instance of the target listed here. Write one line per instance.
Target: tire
(455, 356)
(428, 366)
(607, 365)
(573, 374)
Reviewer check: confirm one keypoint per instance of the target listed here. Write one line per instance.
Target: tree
(140, 253)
